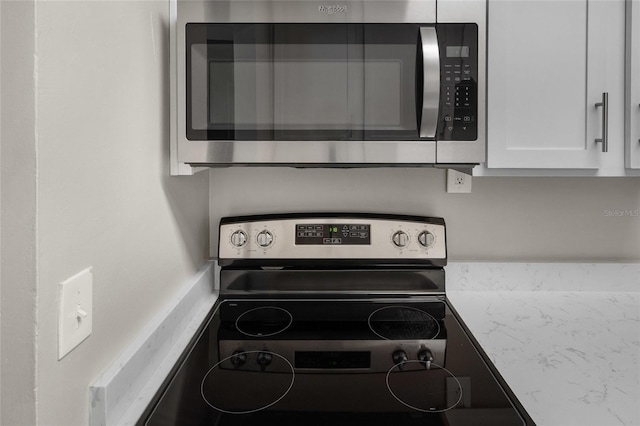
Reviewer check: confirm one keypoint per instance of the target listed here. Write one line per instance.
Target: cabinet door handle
(605, 122)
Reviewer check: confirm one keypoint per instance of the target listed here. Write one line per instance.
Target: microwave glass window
(311, 87)
(301, 82)
(307, 81)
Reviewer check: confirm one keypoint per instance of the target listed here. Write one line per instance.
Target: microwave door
(311, 93)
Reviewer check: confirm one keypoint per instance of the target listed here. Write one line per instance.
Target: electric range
(334, 319)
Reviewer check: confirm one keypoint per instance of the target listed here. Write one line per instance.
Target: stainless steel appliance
(310, 83)
(334, 319)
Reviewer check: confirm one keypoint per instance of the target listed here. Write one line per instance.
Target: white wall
(0, 218)
(18, 216)
(503, 219)
(103, 194)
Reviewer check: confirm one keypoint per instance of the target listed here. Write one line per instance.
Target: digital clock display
(333, 234)
(457, 51)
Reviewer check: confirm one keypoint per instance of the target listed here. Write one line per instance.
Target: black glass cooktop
(404, 361)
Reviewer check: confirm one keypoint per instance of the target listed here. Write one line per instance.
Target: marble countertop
(571, 357)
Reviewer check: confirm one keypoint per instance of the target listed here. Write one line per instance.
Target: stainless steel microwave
(310, 83)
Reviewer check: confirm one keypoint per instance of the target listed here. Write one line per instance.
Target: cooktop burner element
(249, 392)
(402, 323)
(429, 397)
(264, 321)
(316, 328)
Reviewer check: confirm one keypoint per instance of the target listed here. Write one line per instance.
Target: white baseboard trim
(122, 392)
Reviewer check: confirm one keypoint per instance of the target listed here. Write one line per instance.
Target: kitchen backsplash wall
(503, 219)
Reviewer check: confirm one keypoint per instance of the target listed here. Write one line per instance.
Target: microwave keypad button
(458, 95)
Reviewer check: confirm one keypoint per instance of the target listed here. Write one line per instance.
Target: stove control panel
(366, 236)
(310, 356)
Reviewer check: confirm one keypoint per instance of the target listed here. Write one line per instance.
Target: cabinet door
(547, 71)
(632, 92)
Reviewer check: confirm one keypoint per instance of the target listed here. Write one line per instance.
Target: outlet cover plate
(458, 182)
(75, 321)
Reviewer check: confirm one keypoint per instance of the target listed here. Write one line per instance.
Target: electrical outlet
(75, 320)
(457, 182)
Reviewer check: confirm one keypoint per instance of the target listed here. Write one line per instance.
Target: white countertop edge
(121, 393)
(504, 276)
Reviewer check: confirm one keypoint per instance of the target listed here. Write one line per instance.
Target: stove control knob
(426, 239)
(264, 359)
(264, 239)
(238, 359)
(400, 239)
(426, 357)
(238, 238)
(399, 357)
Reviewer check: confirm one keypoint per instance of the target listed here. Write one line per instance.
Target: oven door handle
(430, 82)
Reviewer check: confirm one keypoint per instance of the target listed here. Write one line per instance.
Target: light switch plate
(75, 319)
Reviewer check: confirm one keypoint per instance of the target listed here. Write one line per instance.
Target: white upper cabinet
(632, 85)
(549, 64)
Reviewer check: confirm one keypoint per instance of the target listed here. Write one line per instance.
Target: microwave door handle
(430, 82)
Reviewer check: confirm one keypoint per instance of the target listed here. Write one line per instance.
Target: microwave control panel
(458, 45)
